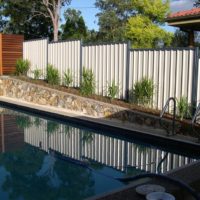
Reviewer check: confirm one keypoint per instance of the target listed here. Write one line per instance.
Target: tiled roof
(185, 13)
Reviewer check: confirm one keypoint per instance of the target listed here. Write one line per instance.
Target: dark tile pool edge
(157, 140)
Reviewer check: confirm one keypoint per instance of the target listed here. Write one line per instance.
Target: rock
(42, 101)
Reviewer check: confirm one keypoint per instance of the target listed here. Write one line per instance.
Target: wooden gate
(11, 48)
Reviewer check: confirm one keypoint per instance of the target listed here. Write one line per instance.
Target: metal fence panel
(36, 52)
(66, 55)
(108, 63)
(170, 69)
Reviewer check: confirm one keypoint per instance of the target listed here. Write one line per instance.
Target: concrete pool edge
(121, 128)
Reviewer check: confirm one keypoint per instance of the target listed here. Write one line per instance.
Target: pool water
(44, 159)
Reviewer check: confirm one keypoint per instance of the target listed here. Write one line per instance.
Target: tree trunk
(55, 33)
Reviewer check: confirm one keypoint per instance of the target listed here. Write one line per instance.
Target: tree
(24, 23)
(143, 29)
(44, 14)
(53, 8)
(74, 27)
(143, 33)
(113, 16)
(180, 39)
(197, 3)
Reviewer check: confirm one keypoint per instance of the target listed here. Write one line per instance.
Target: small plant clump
(113, 90)
(142, 92)
(68, 79)
(22, 67)
(53, 76)
(183, 108)
(37, 73)
(87, 86)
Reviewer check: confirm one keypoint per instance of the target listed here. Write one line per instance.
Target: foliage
(145, 34)
(37, 73)
(37, 122)
(23, 121)
(52, 126)
(53, 76)
(180, 39)
(87, 137)
(197, 3)
(155, 10)
(112, 18)
(87, 86)
(53, 11)
(142, 92)
(68, 78)
(27, 23)
(113, 90)
(183, 108)
(74, 27)
(114, 15)
(22, 67)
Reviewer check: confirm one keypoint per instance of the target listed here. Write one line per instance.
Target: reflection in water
(65, 162)
(35, 175)
(81, 144)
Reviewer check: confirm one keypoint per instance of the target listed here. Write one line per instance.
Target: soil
(185, 125)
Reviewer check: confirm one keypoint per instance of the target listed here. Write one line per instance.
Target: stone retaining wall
(18, 89)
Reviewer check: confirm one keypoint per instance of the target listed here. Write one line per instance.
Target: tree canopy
(143, 33)
(143, 29)
(33, 18)
(74, 27)
(138, 21)
(53, 11)
(197, 3)
(113, 16)
(17, 17)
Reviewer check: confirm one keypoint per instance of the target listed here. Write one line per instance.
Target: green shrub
(37, 73)
(87, 86)
(142, 92)
(183, 108)
(53, 76)
(68, 78)
(22, 67)
(113, 90)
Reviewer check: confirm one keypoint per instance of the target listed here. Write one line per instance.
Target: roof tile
(192, 12)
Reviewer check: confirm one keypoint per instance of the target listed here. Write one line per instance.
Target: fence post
(47, 56)
(81, 62)
(127, 70)
(195, 79)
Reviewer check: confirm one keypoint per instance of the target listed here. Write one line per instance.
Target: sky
(89, 11)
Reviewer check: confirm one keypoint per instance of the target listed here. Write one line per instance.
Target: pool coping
(125, 129)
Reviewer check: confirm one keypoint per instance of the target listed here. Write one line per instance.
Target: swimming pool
(45, 159)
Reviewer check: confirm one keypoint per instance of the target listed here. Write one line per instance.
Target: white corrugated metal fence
(36, 52)
(174, 71)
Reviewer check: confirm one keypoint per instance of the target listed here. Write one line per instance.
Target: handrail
(174, 112)
(195, 114)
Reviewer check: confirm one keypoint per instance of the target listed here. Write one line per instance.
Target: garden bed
(118, 108)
